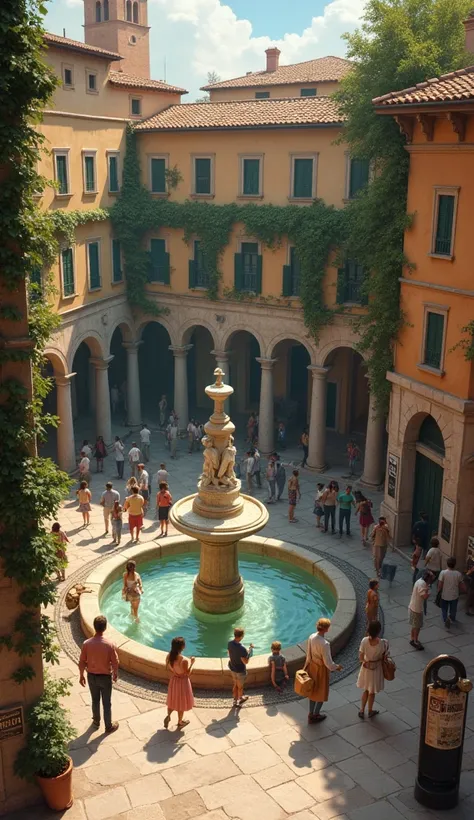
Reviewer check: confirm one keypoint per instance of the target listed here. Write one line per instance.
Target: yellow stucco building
(268, 138)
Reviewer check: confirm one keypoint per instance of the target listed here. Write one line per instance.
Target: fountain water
(218, 516)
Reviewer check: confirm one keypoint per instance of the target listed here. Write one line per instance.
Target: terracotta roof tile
(132, 81)
(292, 111)
(323, 69)
(454, 87)
(76, 45)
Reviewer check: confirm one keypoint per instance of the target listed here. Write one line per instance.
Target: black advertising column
(443, 721)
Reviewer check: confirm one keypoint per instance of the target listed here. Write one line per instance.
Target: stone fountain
(218, 515)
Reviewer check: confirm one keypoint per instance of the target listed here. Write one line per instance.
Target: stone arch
(232, 331)
(325, 351)
(413, 418)
(126, 327)
(160, 320)
(291, 337)
(186, 330)
(57, 360)
(94, 342)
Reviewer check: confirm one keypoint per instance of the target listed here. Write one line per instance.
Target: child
(318, 506)
(372, 604)
(278, 668)
(61, 541)
(117, 522)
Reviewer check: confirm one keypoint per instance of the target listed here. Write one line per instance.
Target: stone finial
(219, 374)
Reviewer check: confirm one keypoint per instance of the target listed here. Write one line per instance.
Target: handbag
(388, 666)
(438, 597)
(303, 683)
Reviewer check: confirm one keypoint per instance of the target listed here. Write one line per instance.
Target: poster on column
(392, 475)
(444, 718)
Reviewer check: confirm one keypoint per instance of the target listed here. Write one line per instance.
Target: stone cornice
(463, 406)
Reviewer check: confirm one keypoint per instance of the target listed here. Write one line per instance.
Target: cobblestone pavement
(266, 762)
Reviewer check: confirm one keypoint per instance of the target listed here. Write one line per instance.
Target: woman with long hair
(371, 680)
(100, 453)
(132, 589)
(180, 692)
(364, 508)
(84, 497)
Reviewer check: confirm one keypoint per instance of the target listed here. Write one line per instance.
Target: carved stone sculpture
(211, 463)
(226, 473)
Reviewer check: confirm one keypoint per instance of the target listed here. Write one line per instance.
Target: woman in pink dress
(180, 692)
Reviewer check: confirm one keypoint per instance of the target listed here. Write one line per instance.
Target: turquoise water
(282, 603)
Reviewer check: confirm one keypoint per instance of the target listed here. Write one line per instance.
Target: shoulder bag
(388, 665)
(303, 683)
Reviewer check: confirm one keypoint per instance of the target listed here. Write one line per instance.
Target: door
(331, 405)
(428, 489)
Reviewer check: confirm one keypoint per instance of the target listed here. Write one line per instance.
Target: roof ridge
(459, 72)
(267, 101)
(261, 72)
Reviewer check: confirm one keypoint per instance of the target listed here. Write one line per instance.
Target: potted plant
(44, 757)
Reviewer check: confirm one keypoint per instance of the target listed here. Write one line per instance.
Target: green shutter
(363, 292)
(116, 261)
(238, 272)
(158, 176)
(203, 175)
(262, 95)
(113, 175)
(359, 176)
(308, 92)
(89, 165)
(341, 281)
(68, 272)
(61, 173)
(303, 178)
(166, 268)
(286, 290)
(444, 228)
(258, 288)
(192, 274)
(94, 268)
(434, 339)
(251, 177)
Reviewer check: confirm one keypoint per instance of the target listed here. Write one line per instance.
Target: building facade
(431, 421)
(245, 149)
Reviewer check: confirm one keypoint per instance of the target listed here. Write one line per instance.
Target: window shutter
(286, 291)
(113, 175)
(444, 227)
(341, 281)
(258, 288)
(303, 178)
(238, 272)
(116, 261)
(94, 272)
(251, 177)
(308, 92)
(363, 279)
(166, 268)
(203, 175)
(192, 274)
(68, 272)
(90, 174)
(359, 175)
(61, 171)
(158, 178)
(434, 339)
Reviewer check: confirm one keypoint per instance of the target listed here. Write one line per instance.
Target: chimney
(273, 56)
(469, 32)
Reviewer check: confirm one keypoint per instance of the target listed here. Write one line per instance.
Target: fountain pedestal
(218, 516)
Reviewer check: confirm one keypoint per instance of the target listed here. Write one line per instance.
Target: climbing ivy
(467, 345)
(314, 231)
(32, 488)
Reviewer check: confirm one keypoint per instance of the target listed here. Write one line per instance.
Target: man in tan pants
(380, 541)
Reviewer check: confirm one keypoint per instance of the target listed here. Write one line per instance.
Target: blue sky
(228, 36)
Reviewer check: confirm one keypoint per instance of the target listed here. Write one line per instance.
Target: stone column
(222, 360)
(266, 414)
(374, 454)
(317, 422)
(181, 383)
(134, 413)
(103, 420)
(66, 446)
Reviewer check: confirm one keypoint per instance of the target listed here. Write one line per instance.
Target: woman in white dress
(371, 653)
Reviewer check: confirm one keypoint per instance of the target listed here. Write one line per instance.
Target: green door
(428, 489)
(331, 402)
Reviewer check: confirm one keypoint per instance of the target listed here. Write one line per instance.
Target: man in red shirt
(99, 657)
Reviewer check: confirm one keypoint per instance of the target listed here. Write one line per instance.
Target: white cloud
(217, 40)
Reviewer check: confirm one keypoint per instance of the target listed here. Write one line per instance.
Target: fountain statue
(218, 515)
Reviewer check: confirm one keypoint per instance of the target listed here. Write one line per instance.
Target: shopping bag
(303, 683)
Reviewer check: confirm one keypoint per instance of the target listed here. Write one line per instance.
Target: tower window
(91, 82)
(132, 40)
(135, 12)
(136, 107)
(128, 10)
(98, 12)
(106, 9)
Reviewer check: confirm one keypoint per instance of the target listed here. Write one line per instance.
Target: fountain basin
(211, 672)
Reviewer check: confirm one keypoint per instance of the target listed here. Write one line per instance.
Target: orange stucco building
(431, 422)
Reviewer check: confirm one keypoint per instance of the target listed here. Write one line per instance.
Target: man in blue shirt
(239, 657)
(346, 501)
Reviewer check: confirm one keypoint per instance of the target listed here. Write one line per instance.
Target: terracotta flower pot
(57, 791)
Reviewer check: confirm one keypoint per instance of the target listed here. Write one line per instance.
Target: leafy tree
(400, 43)
(212, 77)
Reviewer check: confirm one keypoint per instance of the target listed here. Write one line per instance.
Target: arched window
(135, 12)
(129, 10)
(98, 12)
(106, 9)
(431, 436)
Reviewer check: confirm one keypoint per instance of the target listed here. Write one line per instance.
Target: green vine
(467, 345)
(173, 177)
(30, 485)
(66, 222)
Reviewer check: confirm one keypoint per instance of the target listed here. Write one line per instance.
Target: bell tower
(120, 26)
